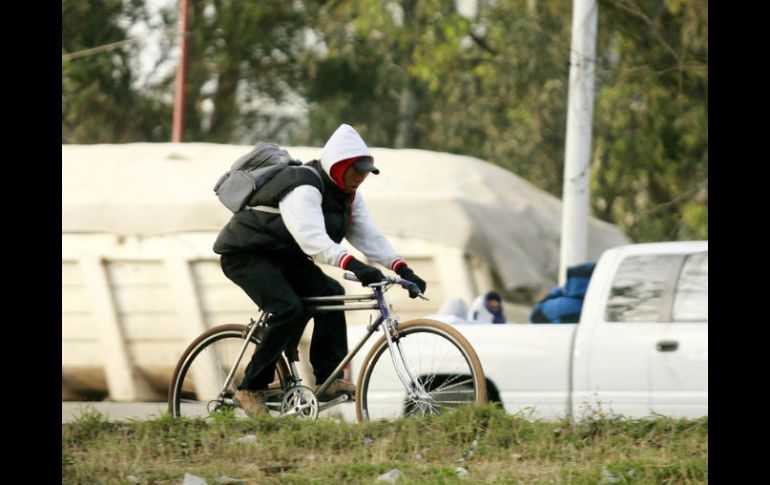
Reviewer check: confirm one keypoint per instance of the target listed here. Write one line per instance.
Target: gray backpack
(249, 173)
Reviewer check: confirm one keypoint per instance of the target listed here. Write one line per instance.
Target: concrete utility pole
(179, 93)
(577, 157)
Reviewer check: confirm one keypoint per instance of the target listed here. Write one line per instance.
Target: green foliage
(651, 119)
(242, 64)
(503, 89)
(99, 102)
(366, 71)
(91, 424)
(419, 74)
(496, 87)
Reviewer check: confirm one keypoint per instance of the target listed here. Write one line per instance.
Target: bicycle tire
(193, 374)
(379, 388)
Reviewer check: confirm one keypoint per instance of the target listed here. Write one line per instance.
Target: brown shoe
(337, 389)
(253, 402)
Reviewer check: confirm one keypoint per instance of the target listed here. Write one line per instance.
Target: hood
(344, 143)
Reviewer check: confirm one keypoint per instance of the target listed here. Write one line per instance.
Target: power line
(109, 47)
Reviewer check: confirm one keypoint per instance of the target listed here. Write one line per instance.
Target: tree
(419, 74)
(364, 69)
(499, 85)
(241, 69)
(650, 173)
(99, 102)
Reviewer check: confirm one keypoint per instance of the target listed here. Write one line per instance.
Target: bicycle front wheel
(198, 388)
(438, 356)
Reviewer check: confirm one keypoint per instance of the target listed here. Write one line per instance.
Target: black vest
(255, 230)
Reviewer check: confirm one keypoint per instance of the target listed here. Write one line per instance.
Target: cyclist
(271, 255)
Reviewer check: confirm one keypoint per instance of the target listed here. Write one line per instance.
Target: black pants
(276, 282)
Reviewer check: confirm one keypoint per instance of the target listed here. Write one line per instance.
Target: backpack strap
(282, 181)
(315, 172)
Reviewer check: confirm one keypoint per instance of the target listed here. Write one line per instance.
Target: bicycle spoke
(444, 386)
(196, 388)
(445, 376)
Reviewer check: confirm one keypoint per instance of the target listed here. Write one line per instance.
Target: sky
(149, 45)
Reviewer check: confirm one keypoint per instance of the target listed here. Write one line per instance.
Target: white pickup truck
(641, 346)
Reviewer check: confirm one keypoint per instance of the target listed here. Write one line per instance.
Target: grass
(492, 446)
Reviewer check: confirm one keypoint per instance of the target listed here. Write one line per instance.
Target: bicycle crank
(334, 402)
(301, 402)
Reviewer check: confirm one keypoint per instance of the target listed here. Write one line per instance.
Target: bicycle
(437, 370)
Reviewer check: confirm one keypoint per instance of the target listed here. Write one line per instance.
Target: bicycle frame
(390, 328)
(324, 304)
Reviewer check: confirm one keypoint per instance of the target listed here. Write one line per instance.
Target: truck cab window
(691, 299)
(639, 287)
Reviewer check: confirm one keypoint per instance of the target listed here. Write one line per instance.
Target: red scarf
(338, 169)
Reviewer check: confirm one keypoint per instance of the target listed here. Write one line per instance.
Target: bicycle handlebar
(406, 284)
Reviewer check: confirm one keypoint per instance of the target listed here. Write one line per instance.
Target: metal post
(179, 95)
(577, 173)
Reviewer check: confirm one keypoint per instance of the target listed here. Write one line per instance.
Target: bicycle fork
(413, 386)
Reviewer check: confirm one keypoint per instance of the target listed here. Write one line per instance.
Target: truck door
(620, 345)
(679, 365)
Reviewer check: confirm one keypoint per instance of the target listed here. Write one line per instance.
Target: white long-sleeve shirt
(303, 217)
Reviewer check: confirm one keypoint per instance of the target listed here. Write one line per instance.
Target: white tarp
(156, 188)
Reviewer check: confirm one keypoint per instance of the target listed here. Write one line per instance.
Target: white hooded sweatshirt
(301, 212)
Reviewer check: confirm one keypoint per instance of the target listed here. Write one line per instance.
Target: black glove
(406, 273)
(366, 274)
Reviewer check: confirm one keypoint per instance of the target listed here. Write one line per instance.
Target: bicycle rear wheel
(196, 386)
(438, 356)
